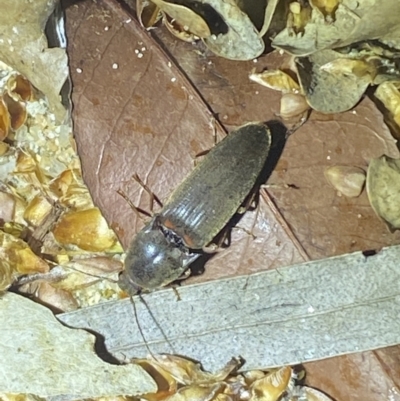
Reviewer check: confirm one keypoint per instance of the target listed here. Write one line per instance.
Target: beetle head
(152, 260)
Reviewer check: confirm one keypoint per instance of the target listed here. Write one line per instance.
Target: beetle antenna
(140, 327)
(155, 322)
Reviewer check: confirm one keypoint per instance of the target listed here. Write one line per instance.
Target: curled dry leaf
(187, 372)
(148, 13)
(7, 275)
(348, 180)
(178, 30)
(166, 384)
(198, 393)
(86, 229)
(383, 189)
(27, 49)
(70, 190)
(236, 38)
(272, 386)
(307, 394)
(327, 92)
(19, 88)
(5, 122)
(17, 111)
(277, 80)
(299, 16)
(253, 375)
(293, 105)
(389, 94)
(190, 19)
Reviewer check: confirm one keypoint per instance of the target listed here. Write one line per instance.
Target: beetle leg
(212, 248)
(153, 196)
(246, 231)
(250, 203)
(139, 211)
(204, 152)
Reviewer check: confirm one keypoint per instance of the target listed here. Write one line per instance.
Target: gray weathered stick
(305, 312)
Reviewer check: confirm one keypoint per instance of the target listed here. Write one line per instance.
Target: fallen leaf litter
(40, 171)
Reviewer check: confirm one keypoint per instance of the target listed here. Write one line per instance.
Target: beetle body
(197, 210)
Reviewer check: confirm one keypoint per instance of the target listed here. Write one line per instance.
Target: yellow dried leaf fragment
(277, 80)
(37, 210)
(326, 7)
(19, 256)
(272, 386)
(389, 94)
(86, 229)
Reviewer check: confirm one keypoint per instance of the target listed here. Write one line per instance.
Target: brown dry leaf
(383, 188)
(58, 300)
(357, 377)
(348, 180)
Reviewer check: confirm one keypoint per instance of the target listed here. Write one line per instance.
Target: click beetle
(197, 211)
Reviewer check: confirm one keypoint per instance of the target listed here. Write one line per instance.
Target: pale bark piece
(291, 315)
(40, 356)
(144, 117)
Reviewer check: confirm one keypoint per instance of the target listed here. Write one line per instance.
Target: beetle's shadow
(279, 135)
